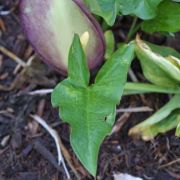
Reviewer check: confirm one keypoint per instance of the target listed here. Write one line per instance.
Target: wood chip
(12, 56)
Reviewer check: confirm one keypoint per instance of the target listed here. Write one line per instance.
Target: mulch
(27, 152)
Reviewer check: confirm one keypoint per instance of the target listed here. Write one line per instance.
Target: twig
(41, 149)
(29, 62)
(174, 175)
(5, 13)
(12, 56)
(4, 150)
(135, 79)
(134, 110)
(16, 69)
(56, 138)
(3, 112)
(41, 92)
(120, 122)
(132, 75)
(68, 159)
(169, 164)
(31, 58)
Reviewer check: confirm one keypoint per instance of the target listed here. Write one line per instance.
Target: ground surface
(27, 152)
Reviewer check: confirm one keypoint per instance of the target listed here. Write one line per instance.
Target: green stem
(133, 29)
(141, 88)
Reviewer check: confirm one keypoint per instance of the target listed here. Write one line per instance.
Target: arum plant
(156, 15)
(160, 70)
(163, 71)
(90, 109)
(165, 119)
(50, 26)
(160, 66)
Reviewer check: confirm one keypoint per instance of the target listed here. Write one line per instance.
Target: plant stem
(133, 29)
(141, 88)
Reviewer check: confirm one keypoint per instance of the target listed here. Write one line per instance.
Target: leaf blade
(167, 19)
(142, 8)
(156, 68)
(88, 109)
(161, 121)
(78, 69)
(107, 9)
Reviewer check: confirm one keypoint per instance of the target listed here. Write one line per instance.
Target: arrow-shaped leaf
(90, 109)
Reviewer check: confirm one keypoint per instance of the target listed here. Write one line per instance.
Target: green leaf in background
(90, 109)
(163, 50)
(107, 9)
(110, 43)
(178, 128)
(167, 19)
(144, 9)
(162, 121)
(156, 68)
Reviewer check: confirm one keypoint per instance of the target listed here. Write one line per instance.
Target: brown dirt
(30, 153)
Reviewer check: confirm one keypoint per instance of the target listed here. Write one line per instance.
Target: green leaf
(90, 109)
(163, 50)
(144, 9)
(156, 68)
(167, 19)
(178, 127)
(162, 121)
(107, 9)
(110, 43)
(77, 66)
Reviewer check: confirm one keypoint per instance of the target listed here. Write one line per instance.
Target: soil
(27, 151)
